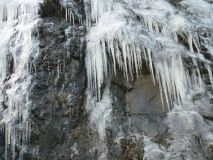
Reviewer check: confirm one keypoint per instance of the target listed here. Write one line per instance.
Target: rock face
(139, 127)
(58, 115)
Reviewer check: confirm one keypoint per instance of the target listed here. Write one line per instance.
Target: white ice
(18, 18)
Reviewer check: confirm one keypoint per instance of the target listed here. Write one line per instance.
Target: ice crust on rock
(18, 18)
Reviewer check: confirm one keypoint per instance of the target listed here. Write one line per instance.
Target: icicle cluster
(71, 11)
(17, 20)
(124, 34)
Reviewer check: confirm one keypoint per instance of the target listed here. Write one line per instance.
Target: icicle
(66, 13)
(209, 69)
(151, 65)
(72, 18)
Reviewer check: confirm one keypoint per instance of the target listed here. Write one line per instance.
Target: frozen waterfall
(124, 34)
(171, 39)
(165, 36)
(18, 18)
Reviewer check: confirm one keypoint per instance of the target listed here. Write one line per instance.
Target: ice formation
(71, 11)
(100, 117)
(124, 34)
(18, 18)
(172, 41)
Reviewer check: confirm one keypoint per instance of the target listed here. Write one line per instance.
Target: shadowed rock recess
(106, 80)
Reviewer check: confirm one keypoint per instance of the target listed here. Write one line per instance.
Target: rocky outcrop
(58, 115)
